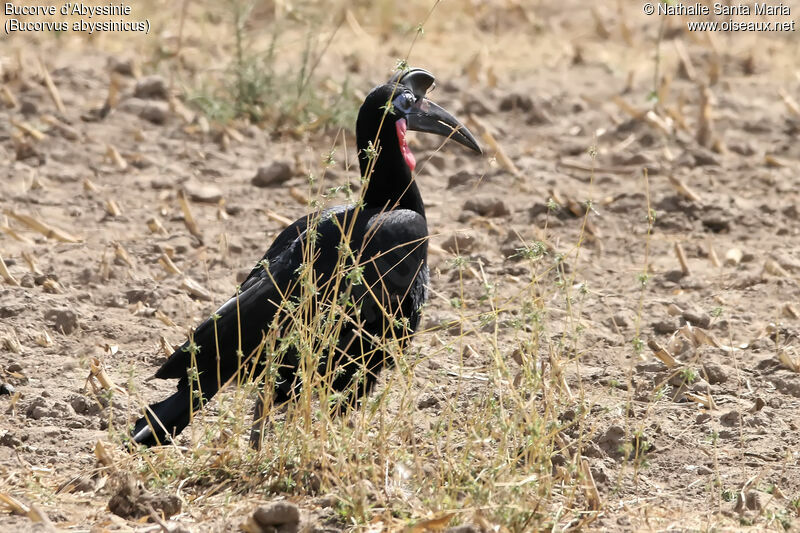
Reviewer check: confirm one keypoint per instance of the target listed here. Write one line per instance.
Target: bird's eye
(404, 101)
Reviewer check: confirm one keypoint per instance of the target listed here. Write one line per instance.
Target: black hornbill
(384, 237)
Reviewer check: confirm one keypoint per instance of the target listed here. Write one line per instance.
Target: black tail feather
(164, 419)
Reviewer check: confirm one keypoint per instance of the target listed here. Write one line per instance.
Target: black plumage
(362, 266)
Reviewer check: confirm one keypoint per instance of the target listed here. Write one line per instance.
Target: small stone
(273, 174)
(515, 102)
(792, 211)
(702, 418)
(705, 157)
(704, 470)
(180, 244)
(699, 319)
(715, 373)
(277, 514)
(460, 178)
(665, 327)
(7, 311)
(155, 112)
(621, 320)
(436, 160)
(428, 401)
(126, 66)
(64, 319)
(674, 276)
(37, 409)
(202, 192)
(10, 440)
(6, 388)
(731, 418)
(83, 406)
(151, 87)
(717, 223)
(487, 207)
(459, 243)
(27, 107)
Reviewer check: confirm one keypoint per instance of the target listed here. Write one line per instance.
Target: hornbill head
(404, 107)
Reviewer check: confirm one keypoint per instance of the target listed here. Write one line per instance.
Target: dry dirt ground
(722, 166)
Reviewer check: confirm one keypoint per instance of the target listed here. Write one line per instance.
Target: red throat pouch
(402, 128)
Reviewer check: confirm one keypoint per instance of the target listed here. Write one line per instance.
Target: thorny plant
(257, 87)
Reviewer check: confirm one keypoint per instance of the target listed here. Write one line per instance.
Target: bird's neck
(391, 184)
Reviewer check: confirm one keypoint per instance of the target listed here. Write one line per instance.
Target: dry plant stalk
(686, 61)
(32, 264)
(298, 195)
(775, 162)
(660, 123)
(37, 225)
(712, 255)
(52, 89)
(52, 286)
(789, 358)
(6, 275)
(501, 155)
(115, 157)
(89, 186)
(9, 98)
(103, 457)
(155, 226)
(628, 108)
(33, 513)
(706, 401)
(790, 310)
(166, 262)
(98, 378)
(599, 25)
(28, 129)
(66, 131)
(10, 341)
(122, 254)
(772, 267)
(112, 208)
(791, 103)
(589, 487)
(662, 354)
(683, 189)
(13, 234)
(272, 215)
(705, 121)
(164, 318)
(43, 339)
(195, 289)
(682, 258)
(188, 218)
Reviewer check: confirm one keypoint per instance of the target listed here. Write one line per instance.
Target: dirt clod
(63, 319)
(203, 192)
(275, 173)
(462, 177)
(132, 500)
(152, 111)
(459, 243)
(151, 87)
(277, 514)
(487, 207)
